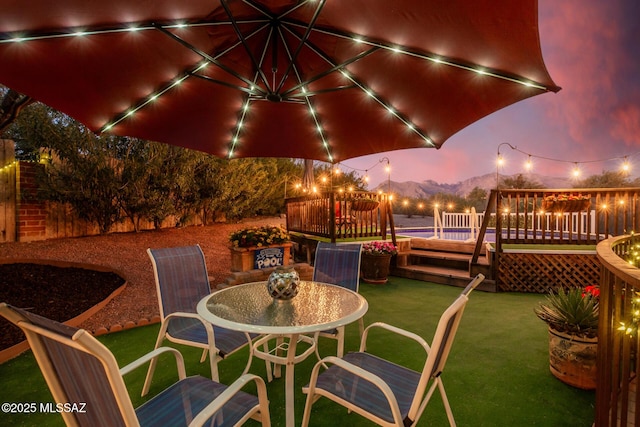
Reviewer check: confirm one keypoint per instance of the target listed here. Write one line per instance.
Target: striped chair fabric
(381, 390)
(181, 282)
(338, 265)
(78, 368)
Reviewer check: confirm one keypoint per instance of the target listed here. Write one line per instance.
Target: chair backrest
(181, 278)
(443, 339)
(338, 264)
(78, 369)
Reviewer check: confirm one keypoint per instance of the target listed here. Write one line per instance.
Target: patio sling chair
(338, 265)
(181, 282)
(382, 391)
(84, 378)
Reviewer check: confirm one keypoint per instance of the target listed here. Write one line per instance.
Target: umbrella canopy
(317, 79)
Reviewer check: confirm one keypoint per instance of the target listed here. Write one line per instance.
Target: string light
(255, 90)
(576, 171)
(528, 165)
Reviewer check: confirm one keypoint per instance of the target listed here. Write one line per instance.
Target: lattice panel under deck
(541, 273)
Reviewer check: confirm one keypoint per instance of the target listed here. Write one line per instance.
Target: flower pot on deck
(375, 268)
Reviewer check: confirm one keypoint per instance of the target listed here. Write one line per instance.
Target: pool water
(459, 234)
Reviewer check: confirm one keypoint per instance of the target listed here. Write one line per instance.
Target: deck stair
(448, 267)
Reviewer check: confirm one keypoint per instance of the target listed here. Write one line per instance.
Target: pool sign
(269, 257)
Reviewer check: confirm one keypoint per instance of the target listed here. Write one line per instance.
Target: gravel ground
(126, 254)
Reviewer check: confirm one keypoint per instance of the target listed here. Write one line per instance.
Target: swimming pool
(464, 235)
(459, 234)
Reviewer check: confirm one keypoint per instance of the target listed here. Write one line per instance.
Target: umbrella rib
(330, 70)
(208, 57)
(305, 37)
(319, 92)
(514, 78)
(363, 87)
(307, 101)
(222, 83)
(241, 37)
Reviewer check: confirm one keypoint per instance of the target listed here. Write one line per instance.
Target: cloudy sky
(592, 50)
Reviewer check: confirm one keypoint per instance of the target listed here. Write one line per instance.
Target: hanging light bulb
(626, 167)
(576, 171)
(528, 165)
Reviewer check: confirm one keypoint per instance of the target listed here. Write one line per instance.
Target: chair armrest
(186, 314)
(366, 375)
(396, 330)
(154, 354)
(231, 390)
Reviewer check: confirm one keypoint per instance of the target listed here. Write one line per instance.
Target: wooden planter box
(257, 258)
(566, 205)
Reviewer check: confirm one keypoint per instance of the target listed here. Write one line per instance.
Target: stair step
(442, 275)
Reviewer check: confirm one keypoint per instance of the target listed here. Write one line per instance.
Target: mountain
(429, 187)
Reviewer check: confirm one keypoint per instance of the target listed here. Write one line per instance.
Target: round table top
(250, 308)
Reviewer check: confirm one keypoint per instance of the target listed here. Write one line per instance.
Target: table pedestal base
(284, 354)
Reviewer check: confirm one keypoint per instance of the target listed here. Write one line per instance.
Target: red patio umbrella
(326, 80)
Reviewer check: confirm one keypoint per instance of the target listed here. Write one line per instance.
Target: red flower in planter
(593, 290)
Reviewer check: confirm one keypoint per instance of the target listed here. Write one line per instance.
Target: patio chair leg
(154, 361)
(445, 401)
(204, 355)
(213, 361)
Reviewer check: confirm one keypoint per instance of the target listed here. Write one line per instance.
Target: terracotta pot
(573, 359)
(375, 268)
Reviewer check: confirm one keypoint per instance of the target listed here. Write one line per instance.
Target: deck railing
(581, 216)
(338, 215)
(617, 402)
(593, 214)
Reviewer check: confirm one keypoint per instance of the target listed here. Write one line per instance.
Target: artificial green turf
(497, 375)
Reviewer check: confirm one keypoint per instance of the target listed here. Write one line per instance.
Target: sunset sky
(592, 50)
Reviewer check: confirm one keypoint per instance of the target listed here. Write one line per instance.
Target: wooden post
(332, 216)
(7, 191)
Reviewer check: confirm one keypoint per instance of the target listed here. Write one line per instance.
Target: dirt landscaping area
(126, 254)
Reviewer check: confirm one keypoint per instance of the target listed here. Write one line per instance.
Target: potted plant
(566, 203)
(572, 316)
(259, 247)
(364, 204)
(376, 261)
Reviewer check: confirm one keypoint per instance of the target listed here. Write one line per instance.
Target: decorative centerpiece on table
(572, 317)
(259, 247)
(283, 283)
(566, 203)
(376, 261)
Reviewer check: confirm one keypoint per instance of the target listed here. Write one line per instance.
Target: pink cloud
(626, 125)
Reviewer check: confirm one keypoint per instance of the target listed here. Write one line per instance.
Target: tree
(477, 198)
(11, 104)
(608, 179)
(107, 179)
(518, 182)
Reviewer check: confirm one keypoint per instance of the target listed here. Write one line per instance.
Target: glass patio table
(250, 308)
